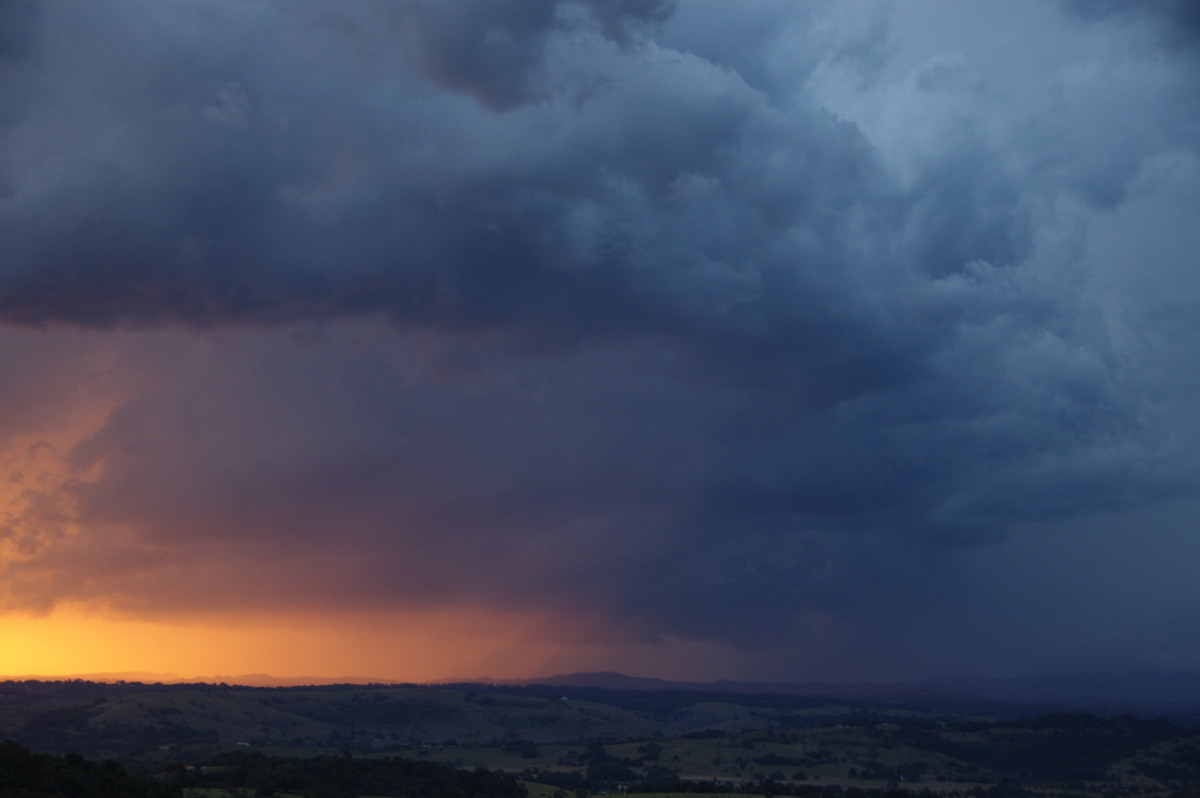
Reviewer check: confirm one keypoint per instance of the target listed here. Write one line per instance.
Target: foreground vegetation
(25, 774)
(205, 741)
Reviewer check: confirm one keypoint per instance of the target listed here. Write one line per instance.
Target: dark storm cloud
(583, 304)
(670, 203)
(1178, 21)
(494, 50)
(17, 21)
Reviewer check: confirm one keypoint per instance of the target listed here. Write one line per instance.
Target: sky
(822, 340)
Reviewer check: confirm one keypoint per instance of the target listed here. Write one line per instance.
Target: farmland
(568, 741)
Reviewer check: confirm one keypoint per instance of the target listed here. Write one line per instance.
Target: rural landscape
(77, 737)
(828, 366)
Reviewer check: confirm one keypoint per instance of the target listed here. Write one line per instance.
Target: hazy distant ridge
(1139, 692)
(1145, 692)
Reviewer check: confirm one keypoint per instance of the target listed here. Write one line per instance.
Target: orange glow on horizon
(414, 646)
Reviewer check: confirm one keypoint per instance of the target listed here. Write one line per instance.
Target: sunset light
(413, 649)
(824, 341)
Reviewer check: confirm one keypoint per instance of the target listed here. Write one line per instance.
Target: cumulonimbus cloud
(548, 292)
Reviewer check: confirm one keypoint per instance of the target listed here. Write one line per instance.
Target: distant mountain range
(1142, 693)
(1169, 692)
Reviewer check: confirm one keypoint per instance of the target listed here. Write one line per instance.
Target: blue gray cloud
(732, 331)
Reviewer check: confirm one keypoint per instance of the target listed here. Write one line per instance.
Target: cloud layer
(754, 332)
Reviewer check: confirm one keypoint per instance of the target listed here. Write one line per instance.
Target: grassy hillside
(564, 740)
(137, 720)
